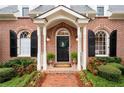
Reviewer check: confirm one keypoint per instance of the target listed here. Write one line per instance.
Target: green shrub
(109, 59)
(20, 65)
(27, 79)
(119, 66)
(50, 57)
(18, 62)
(74, 56)
(6, 74)
(109, 72)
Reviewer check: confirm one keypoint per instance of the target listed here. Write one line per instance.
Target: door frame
(56, 35)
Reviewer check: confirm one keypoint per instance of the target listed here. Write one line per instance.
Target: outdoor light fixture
(76, 38)
(48, 39)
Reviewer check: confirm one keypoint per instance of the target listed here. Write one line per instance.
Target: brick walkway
(61, 80)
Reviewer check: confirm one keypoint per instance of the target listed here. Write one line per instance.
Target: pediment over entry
(61, 13)
(62, 10)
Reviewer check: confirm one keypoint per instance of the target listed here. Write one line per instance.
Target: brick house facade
(60, 19)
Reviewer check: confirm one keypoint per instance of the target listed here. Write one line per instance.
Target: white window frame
(107, 44)
(19, 44)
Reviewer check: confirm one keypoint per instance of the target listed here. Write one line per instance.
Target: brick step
(61, 72)
(62, 65)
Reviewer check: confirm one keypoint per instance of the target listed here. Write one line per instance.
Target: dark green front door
(62, 48)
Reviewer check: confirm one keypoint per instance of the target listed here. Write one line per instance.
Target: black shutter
(113, 43)
(13, 44)
(34, 44)
(91, 43)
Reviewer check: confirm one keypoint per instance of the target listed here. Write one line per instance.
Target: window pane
(100, 43)
(25, 11)
(100, 11)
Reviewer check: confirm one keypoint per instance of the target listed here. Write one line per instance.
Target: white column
(84, 48)
(44, 49)
(79, 49)
(39, 49)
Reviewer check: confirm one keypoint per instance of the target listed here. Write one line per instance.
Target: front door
(62, 48)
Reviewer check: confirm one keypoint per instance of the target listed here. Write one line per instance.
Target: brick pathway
(61, 80)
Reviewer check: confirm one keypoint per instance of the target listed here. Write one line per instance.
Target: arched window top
(24, 34)
(101, 34)
(102, 31)
(63, 31)
(101, 42)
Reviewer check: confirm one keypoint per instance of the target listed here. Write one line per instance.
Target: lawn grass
(101, 82)
(19, 81)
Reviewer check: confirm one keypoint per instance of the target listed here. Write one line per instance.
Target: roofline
(65, 7)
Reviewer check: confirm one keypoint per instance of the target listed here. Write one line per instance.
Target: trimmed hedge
(119, 66)
(6, 74)
(18, 62)
(109, 59)
(109, 72)
(21, 65)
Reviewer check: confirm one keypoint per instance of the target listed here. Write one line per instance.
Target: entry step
(62, 65)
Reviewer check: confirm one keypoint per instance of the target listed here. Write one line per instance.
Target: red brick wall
(51, 45)
(110, 25)
(17, 25)
(27, 23)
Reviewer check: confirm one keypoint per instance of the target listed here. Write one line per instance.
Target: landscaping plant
(85, 81)
(21, 65)
(74, 57)
(109, 59)
(93, 63)
(50, 58)
(6, 74)
(119, 66)
(109, 72)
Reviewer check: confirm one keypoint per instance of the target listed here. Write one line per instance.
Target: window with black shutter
(101, 43)
(113, 43)
(13, 44)
(34, 44)
(91, 43)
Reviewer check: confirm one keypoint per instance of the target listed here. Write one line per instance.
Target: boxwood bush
(109, 72)
(119, 66)
(18, 62)
(109, 59)
(6, 74)
(21, 65)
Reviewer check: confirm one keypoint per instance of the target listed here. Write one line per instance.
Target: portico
(63, 16)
